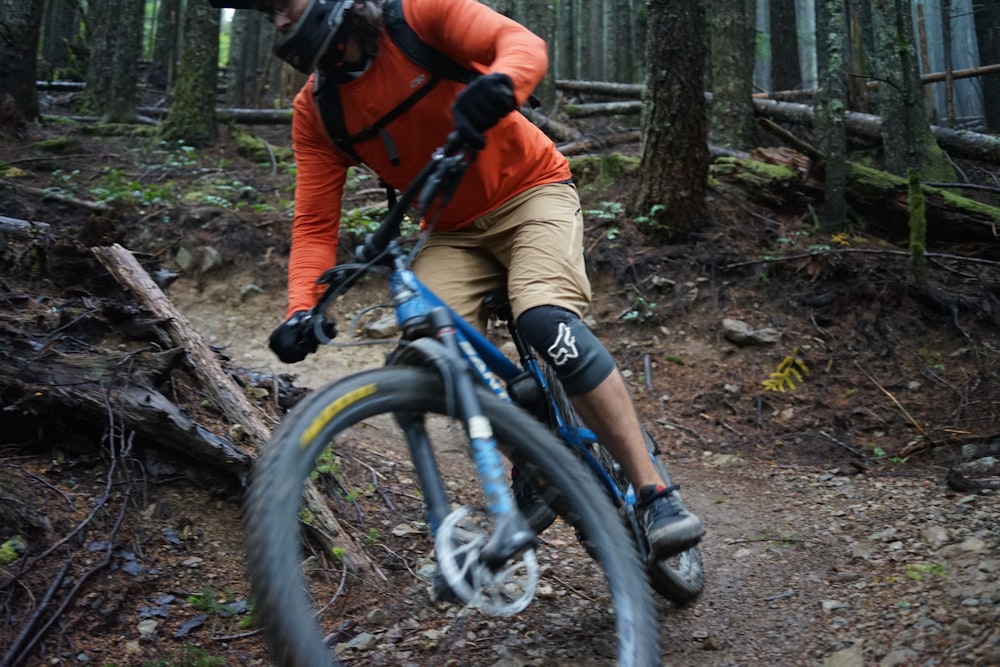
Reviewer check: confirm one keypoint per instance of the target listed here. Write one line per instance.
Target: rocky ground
(842, 529)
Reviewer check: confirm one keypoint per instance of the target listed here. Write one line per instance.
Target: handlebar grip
(318, 327)
(454, 143)
(366, 252)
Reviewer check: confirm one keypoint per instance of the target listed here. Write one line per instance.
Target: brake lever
(445, 178)
(320, 326)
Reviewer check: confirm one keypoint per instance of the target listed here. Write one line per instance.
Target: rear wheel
(272, 506)
(679, 578)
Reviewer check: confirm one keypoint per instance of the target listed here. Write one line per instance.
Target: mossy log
(784, 178)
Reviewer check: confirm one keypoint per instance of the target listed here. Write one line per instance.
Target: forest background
(831, 164)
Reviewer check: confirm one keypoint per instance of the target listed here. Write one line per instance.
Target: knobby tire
(271, 508)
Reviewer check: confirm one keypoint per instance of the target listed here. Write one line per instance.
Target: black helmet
(305, 44)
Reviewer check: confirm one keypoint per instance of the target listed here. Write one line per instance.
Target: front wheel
(271, 508)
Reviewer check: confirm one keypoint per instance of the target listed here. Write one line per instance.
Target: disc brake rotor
(458, 543)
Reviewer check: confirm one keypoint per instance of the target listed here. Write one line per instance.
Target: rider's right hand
(481, 105)
(294, 338)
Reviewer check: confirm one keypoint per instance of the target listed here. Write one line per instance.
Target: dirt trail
(805, 565)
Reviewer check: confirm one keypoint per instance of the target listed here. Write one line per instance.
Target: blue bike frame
(412, 299)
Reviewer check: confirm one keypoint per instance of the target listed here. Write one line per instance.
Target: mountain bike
(485, 552)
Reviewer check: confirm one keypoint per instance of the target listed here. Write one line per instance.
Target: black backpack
(427, 57)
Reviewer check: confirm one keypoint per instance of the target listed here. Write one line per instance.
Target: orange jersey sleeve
(517, 156)
(319, 188)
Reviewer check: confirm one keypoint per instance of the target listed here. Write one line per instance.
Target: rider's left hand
(294, 339)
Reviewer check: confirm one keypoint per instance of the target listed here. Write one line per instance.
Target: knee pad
(580, 360)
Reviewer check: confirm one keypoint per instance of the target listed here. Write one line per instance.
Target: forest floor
(842, 526)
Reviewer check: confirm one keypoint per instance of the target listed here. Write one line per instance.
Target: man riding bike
(515, 221)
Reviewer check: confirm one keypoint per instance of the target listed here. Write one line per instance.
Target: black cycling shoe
(670, 527)
(529, 501)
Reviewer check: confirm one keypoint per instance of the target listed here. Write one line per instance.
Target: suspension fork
(422, 455)
(511, 534)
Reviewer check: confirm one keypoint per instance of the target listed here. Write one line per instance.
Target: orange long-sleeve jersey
(518, 156)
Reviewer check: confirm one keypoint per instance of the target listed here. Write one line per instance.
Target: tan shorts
(532, 245)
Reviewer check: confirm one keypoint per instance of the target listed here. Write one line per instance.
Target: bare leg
(608, 411)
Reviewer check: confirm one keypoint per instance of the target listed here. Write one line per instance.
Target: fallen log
(607, 88)
(602, 109)
(61, 86)
(599, 143)
(882, 198)
(25, 229)
(553, 129)
(93, 206)
(86, 383)
(960, 143)
(635, 90)
(229, 397)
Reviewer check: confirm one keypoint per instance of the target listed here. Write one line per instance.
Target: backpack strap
(419, 51)
(439, 66)
(331, 111)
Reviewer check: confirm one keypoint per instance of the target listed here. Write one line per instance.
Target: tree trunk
(946, 46)
(248, 58)
(785, 69)
(674, 154)
(988, 37)
(731, 38)
(591, 47)
(115, 46)
(831, 38)
(163, 69)
(191, 118)
(540, 18)
(20, 22)
(906, 135)
(563, 52)
(124, 89)
(60, 24)
(861, 44)
(621, 48)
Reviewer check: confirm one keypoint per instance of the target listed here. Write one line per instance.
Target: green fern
(789, 372)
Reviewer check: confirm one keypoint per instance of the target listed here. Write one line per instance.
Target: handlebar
(436, 182)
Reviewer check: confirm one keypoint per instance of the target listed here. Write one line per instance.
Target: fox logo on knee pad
(564, 348)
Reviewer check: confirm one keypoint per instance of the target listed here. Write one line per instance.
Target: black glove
(295, 338)
(478, 108)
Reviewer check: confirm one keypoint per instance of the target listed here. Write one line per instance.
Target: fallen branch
(892, 398)
(866, 251)
(226, 393)
(97, 207)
